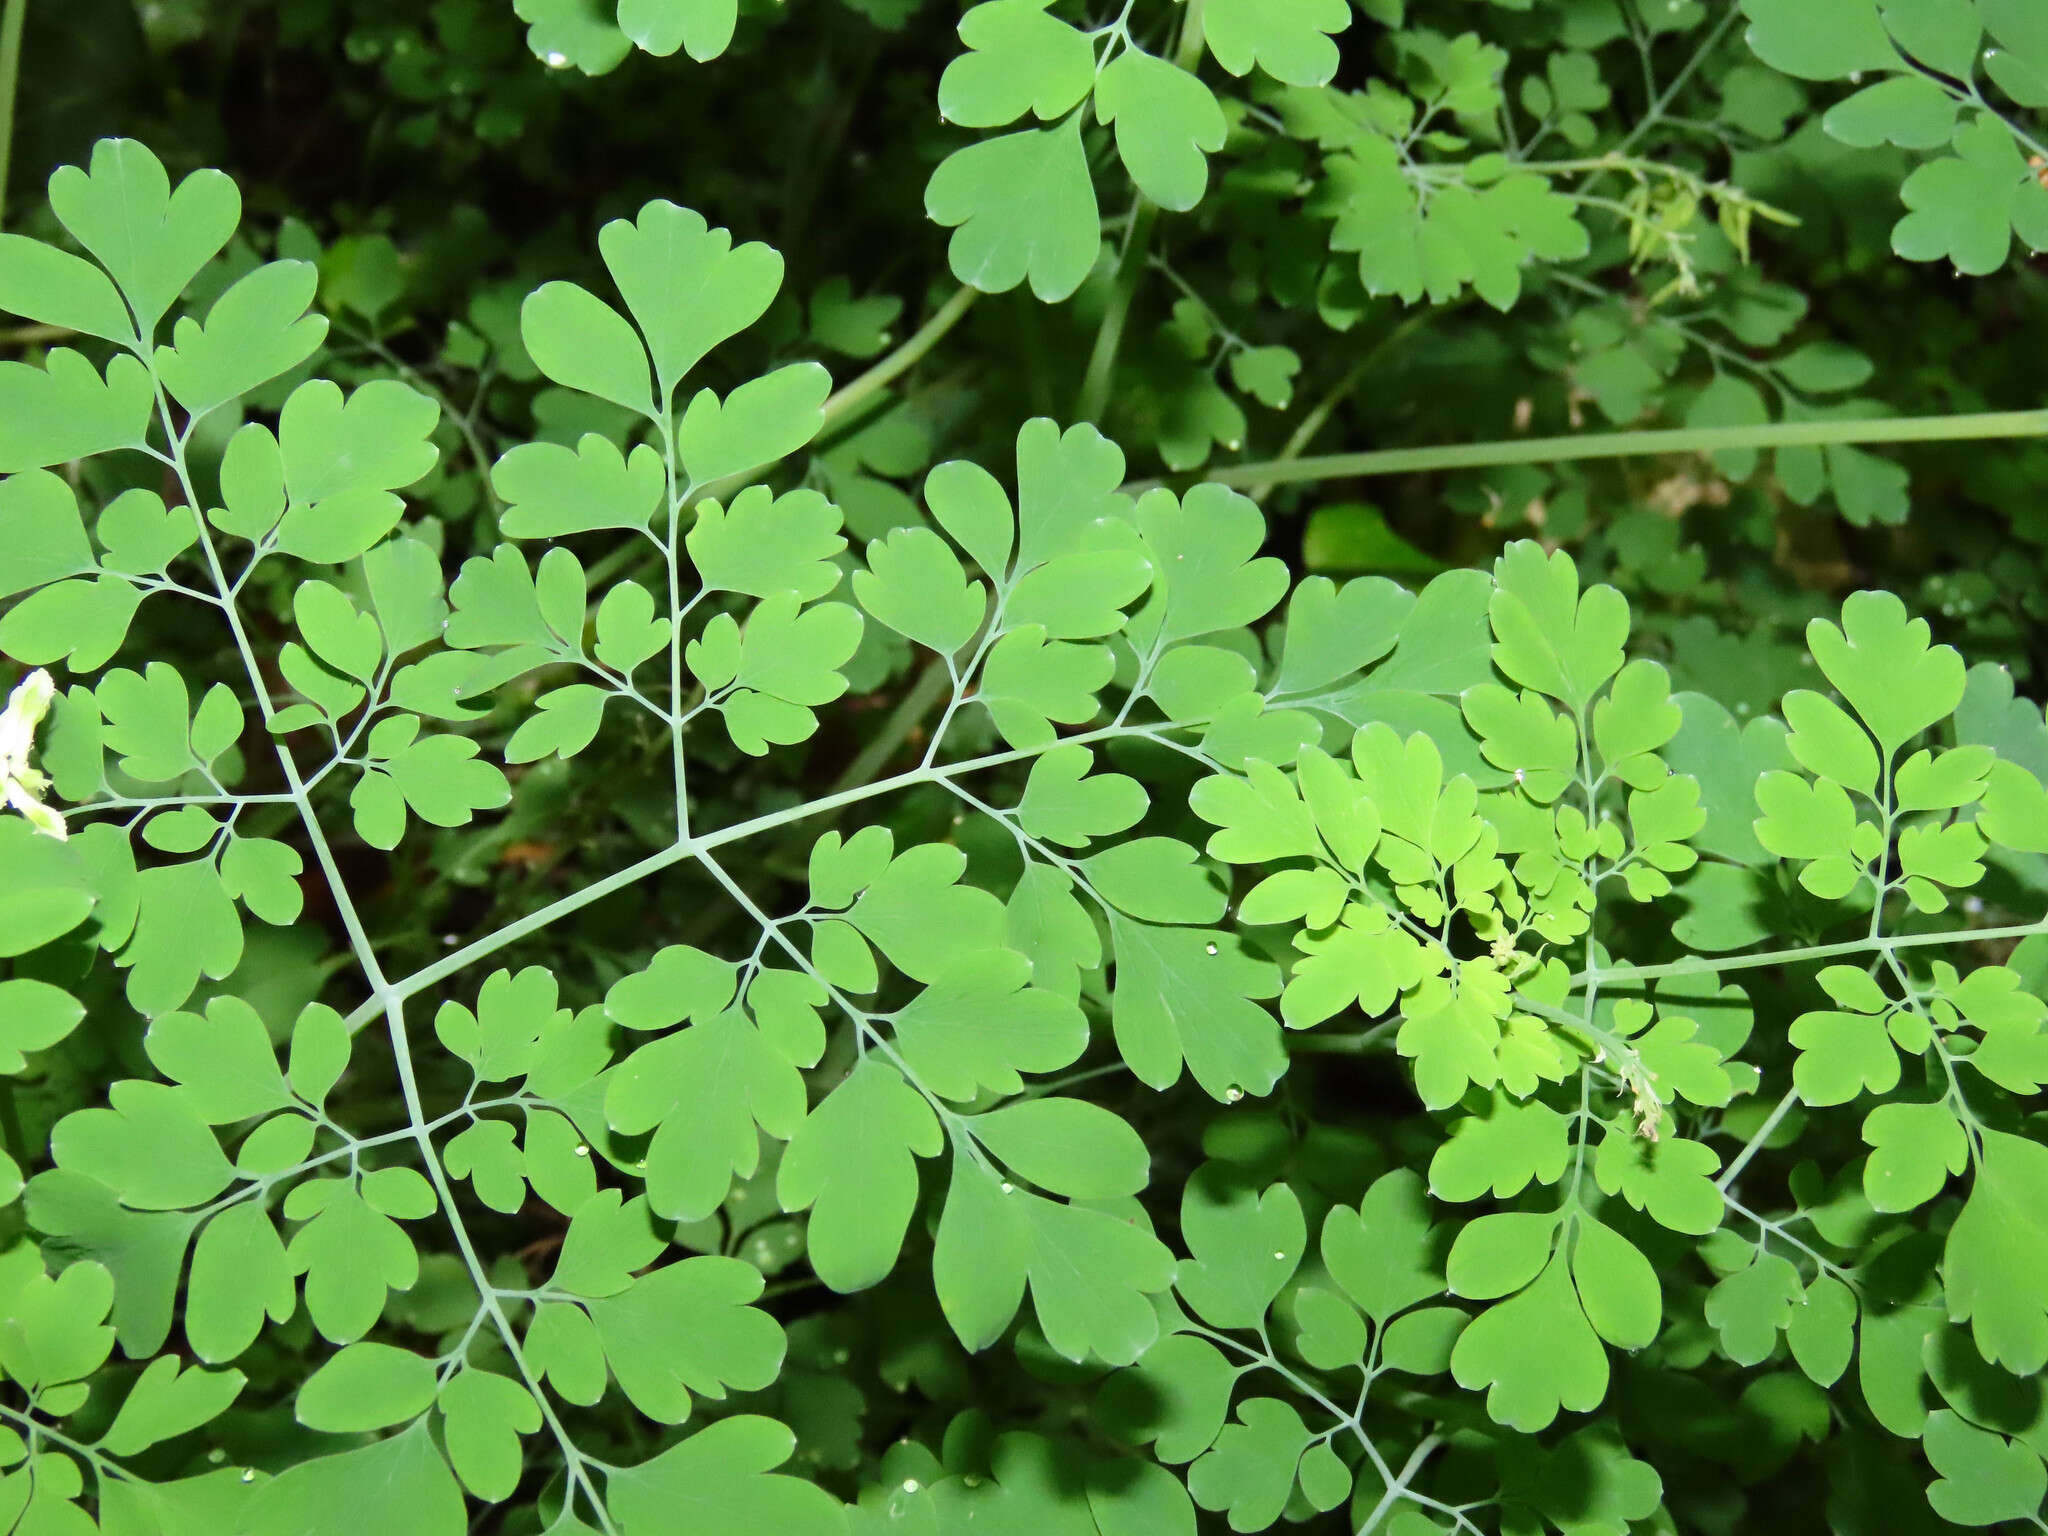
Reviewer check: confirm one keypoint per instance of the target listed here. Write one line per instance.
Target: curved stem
(1137, 254)
(845, 402)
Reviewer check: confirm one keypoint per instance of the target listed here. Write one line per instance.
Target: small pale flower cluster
(23, 787)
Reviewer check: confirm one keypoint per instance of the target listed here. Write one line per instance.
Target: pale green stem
(845, 402)
(1696, 965)
(383, 995)
(1755, 1143)
(678, 852)
(1620, 445)
(12, 17)
(1137, 254)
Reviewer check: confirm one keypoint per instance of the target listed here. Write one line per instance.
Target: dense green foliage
(787, 865)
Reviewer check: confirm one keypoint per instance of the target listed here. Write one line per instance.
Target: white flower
(22, 786)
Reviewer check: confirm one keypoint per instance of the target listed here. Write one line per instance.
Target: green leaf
(1022, 205)
(254, 332)
(725, 1476)
(1068, 1146)
(34, 1015)
(1548, 636)
(483, 1416)
(1285, 38)
(42, 536)
(971, 505)
(56, 1331)
(1666, 1179)
(688, 287)
(701, 28)
(1749, 1307)
(1501, 1151)
(240, 1275)
(702, 1091)
(1997, 1253)
(1334, 633)
(153, 240)
(66, 410)
(853, 1165)
(551, 490)
(396, 1484)
(1155, 879)
(224, 1063)
(1616, 1285)
(1382, 1252)
(1015, 1028)
(1065, 803)
(341, 461)
(1534, 1354)
(351, 1256)
(150, 1146)
(1822, 1329)
(1173, 1399)
(914, 583)
(1250, 1472)
(1209, 575)
(364, 1387)
(762, 421)
(1167, 123)
(1090, 1273)
(1841, 1055)
(1019, 60)
(765, 545)
(1911, 111)
(1985, 1478)
(1886, 667)
(1028, 683)
(166, 1402)
(41, 283)
(1827, 743)
(916, 911)
(1245, 1245)
(1827, 40)
(1966, 208)
(725, 1343)
(1191, 996)
(578, 340)
(1725, 760)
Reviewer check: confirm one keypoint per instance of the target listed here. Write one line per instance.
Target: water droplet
(1008, 1187)
(971, 1480)
(911, 1485)
(556, 60)
(1209, 949)
(451, 939)
(248, 1475)
(1232, 1094)
(1279, 1253)
(216, 1456)
(1855, 77)
(582, 1151)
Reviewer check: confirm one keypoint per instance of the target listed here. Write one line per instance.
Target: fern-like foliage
(1181, 826)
